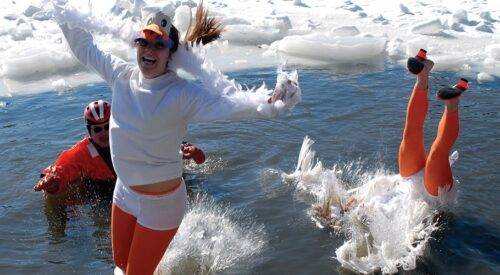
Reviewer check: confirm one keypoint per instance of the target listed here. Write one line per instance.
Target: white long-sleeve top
(149, 117)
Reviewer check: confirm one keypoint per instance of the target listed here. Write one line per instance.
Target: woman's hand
(190, 151)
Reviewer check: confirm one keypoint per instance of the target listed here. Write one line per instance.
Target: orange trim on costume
(150, 193)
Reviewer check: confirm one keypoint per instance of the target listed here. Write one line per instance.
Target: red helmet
(97, 112)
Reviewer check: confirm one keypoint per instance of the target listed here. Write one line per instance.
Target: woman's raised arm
(84, 49)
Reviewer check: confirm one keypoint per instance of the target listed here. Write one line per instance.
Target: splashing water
(388, 220)
(211, 239)
(211, 165)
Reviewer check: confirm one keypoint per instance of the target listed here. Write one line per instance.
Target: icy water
(355, 116)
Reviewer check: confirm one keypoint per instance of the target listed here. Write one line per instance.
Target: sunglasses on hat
(157, 44)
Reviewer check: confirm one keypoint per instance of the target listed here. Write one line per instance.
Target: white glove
(59, 8)
(287, 92)
(74, 17)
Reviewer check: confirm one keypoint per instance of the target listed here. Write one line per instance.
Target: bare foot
(428, 65)
(452, 104)
(423, 76)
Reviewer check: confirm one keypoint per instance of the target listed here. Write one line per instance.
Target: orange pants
(137, 249)
(412, 157)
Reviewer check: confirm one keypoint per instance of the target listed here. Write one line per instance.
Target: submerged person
(431, 174)
(152, 108)
(436, 168)
(85, 170)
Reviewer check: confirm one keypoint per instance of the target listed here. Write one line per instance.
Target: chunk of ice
(235, 21)
(404, 9)
(486, 15)
(493, 51)
(31, 10)
(457, 27)
(484, 28)
(346, 31)
(380, 19)
(396, 48)
(22, 32)
(460, 16)
(11, 17)
(484, 77)
(325, 47)
(42, 15)
(431, 27)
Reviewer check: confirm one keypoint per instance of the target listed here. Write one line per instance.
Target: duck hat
(157, 25)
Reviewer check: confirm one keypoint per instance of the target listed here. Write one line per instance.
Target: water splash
(387, 220)
(211, 239)
(211, 165)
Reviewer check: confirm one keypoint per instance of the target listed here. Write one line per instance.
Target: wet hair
(205, 29)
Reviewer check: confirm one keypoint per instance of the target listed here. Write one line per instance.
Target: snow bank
(258, 34)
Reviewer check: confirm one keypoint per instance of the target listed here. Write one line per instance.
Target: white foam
(60, 85)
(389, 226)
(212, 238)
(484, 77)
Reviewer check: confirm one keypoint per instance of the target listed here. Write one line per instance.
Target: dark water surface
(351, 117)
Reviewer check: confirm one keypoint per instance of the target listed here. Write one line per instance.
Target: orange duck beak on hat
(158, 25)
(153, 31)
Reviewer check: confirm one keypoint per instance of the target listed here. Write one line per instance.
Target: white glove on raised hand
(58, 10)
(287, 92)
(75, 17)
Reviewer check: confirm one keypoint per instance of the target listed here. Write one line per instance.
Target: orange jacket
(79, 163)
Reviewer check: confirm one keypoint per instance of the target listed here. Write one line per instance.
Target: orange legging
(412, 156)
(137, 249)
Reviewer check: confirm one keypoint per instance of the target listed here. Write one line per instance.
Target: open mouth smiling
(148, 60)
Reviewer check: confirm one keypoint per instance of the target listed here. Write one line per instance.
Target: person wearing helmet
(152, 108)
(86, 162)
(87, 165)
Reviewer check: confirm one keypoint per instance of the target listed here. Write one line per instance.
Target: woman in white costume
(152, 107)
